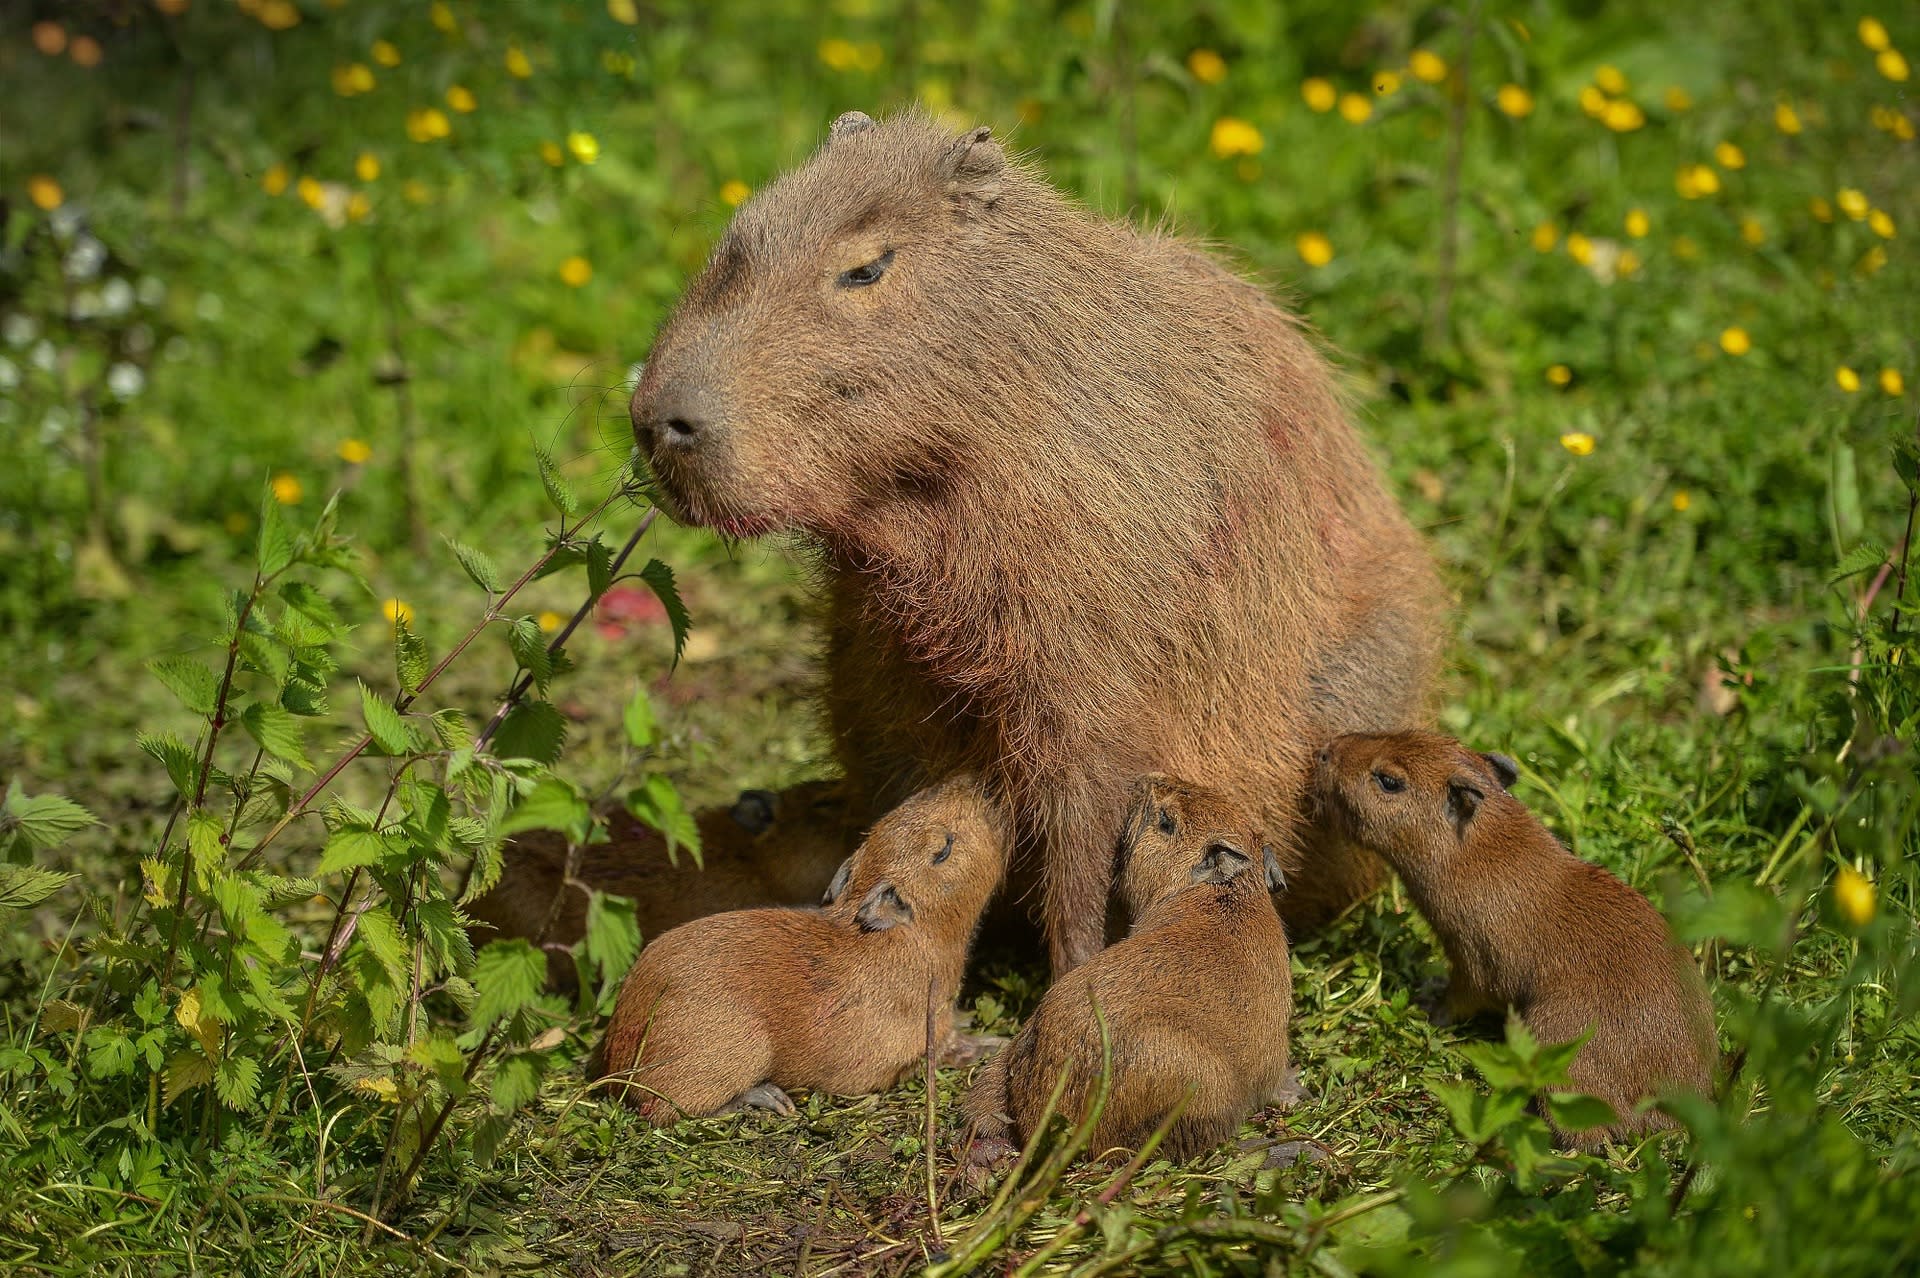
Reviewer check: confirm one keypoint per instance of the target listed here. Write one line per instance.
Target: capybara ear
(849, 124)
(883, 908)
(1222, 863)
(973, 165)
(1276, 877)
(838, 884)
(753, 811)
(1503, 767)
(1463, 800)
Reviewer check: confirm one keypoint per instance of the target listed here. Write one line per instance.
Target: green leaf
(558, 492)
(275, 548)
(642, 730)
(613, 933)
(553, 804)
(658, 804)
(1862, 557)
(451, 729)
(444, 931)
(532, 730)
(186, 1070)
(409, 658)
(530, 650)
(41, 822)
(204, 832)
(516, 1079)
(386, 942)
(197, 686)
(277, 731)
(483, 571)
(509, 975)
(173, 755)
(314, 606)
(1574, 1111)
(109, 1052)
(660, 577)
(266, 654)
(599, 567)
(385, 724)
(236, 1080)
(353, 846)
(308, 700)
(24, 886)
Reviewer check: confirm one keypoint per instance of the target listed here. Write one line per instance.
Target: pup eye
(861, 276)
(946, 851)
(1389, 782)
(1166, 821)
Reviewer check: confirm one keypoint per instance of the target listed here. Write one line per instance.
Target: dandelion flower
(1697, 181)
(1314, 248)
(367, 166)
(1821, 210)
(552, 154)
(461, 99)
(50, 38)
(1559, 374)
(1545, 236)
(1874, 35)
(287, 489)
(1872, 261)
(1232, 136)
(576, 271)
(1638, 224)
(584, 146)
(1853, 893)
(386, 53)
(1752, 232)
(1207, 66)
(359, 207)
(1592, 101)
(279, 15)
(1677, 99)
(1846, 379)
(1786, 119)
(1852, 202)
(1623, 116)
(1320, 94)
(1685, 248)
(354, 452)
(1891, 382)
(1514, 101)
(1734, 341)
(838, 54)
(1580, 248)
(274, 180)
(1889, 62)
(1729, 156)
(1682, 500)
(733, 192)
(428, 124)
(1386, 83)
(624, 12)
(1355, 109)
(550, 621)
(1578, 442)
(416, 191)
(398, 612)
(1628, 263)
(311, 193)
(1427, 66)
(1609, 79)
(45, 193)
(1881, 224)
(516, 63)
(442, 18)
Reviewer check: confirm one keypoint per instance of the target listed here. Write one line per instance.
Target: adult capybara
(1063, 478)
(733, 1008)
(1196, 998)
(1525, 923)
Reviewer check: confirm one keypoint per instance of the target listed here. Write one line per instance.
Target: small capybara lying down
(1084, 503)
(1196, 998)
(1526, 924)
(731, 1009)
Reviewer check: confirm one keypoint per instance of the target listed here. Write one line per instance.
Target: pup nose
(1326, 754)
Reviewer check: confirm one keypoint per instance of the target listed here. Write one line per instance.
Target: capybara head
(1177, 834)
(807, 370)
(1412, 797)
(932, 862)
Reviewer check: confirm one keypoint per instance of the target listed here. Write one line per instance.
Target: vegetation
(322, 570)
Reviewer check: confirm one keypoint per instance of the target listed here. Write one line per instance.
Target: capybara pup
(1525, 923)
(733, 1008)
(1062, 478)
(1196, 997)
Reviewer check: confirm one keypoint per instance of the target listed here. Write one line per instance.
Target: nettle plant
(328, 983)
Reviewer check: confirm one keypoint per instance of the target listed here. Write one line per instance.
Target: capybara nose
(672, 416)
(1326, 754)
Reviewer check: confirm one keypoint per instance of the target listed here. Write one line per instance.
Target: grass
(1670, 547)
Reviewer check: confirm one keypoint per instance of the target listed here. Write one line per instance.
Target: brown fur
(1526, 924)
(1197, 997)
(766, 849)
(833, 999)
(1063, 478)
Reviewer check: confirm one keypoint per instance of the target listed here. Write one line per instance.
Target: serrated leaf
(553, 804)
(277, 732)
(660, 578)
(195, 684)
(194, 1018)
(613, 933)
(109, 1052)
(266, 654)
(236, 1081)
(24, 886)
(314, 606)
(275, 548)
(638, 719)
(530, 650)
(385, 724)
(173, 755)
(1862, 557)
(308, 700)
(558, 492)
(452, 729)
(532, 730)
(352, 847)
(439, 1053)
(508, 975)
(478, 566)
(203, 842)
(386, 942)
(41, 822)
(488, 864)
(1573, 1111)
(444, 933)
(186, 1070)
(516, 1079)
(599, 567)
(658, 804)
(410, 658)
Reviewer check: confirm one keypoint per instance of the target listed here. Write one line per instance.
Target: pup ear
(838, 883)
(753, 811)
(1276, 877)
(973, 165)
(1463, 800)
(849, 124)
(883, 908)
(1223, 863)
(1503, 767)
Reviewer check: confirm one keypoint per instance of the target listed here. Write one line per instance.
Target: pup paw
(762, 1096)
(968, 1049)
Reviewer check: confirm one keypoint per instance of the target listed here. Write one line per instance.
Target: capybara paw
(1289, 1153)
(1291, 1090)
(762, 1096)
(969, 1049)
(991, 1153)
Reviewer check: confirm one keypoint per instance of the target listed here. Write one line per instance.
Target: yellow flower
(278, 15)
(1319, 94)
(624, 12)
(585, 147)
(1207, 66)
(427, 124)
(516, 61)
(1684, 248)
(550, 621)
(1610, 80)
(1560, 374)
(1545, 236)
(286, 489)
(1873, 34)
(416, 191)
(1515, 101)
(869, 56)
(461, 99)
(552, 154)
(351, 78)
(354, 452)
(733, 192)
(1852, 202)
(1752, 232)
(1846, 379)
(1853, 893)
(1872, 261)
(1579, 248)
(1882, 224)
(1355, 109)
(1592, 101)
(398, 612)
(311, 193)
(1729, 156)
(1901, 127)
(45, 193)
(1734, 341)
(1232, 136)
(1891, 63)
(1314, 248)
(442, 17)
(1682, 500)
(1386, 82)
(1677, 99)
(386, 53)
(1637, 223)
(1623, 116)
(839, 54)
(1428, 66)
(367, 166)
(1628, 263)
(576, 271)
(1696, 181)
(50, 38)
(1785, 118)
(1821, 210)
(359, 207)
(274, 180)
(1891, 382)
(1577, 442)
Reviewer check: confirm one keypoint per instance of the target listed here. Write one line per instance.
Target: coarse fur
(1526, 924)
(835, 999)
(1062, 478)
(1196, 998)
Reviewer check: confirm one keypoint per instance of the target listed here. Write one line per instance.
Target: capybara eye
(861, 276)
(1389, 782)
(946, 849)
(1166, 821)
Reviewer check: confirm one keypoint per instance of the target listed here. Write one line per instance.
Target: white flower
(85, 258)
(210, 308)
(9, 374)
(53, 426)
(86, 305)
(176, 349)
(153, 291)
(43, 356)
(116, 297)
(126, 380)
(19, 329)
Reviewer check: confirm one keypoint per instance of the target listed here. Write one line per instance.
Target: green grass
(1661, 628)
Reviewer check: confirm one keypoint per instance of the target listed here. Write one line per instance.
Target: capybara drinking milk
(1196, 998)
(733, 1008)
(1062, 478)
(1525, 923)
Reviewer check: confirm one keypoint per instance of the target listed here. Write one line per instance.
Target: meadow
(323, 570)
